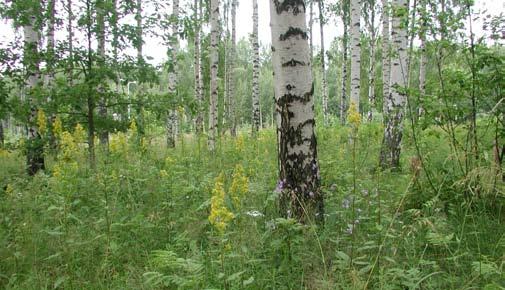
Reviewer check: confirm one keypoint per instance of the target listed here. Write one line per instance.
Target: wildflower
(354, 116)
(133, 128)
(79, 134)
(239, 143)
(68, 146)
(9, 189)
(41, 121)
(219, 216)
(57, 127)
(239, 186)
(280, 186)
(163, 173)
(119, 143)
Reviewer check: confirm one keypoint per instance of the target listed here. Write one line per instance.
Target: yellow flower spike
(219, 215)
(163, 173)
(57, 127)
(79, 134)
(239, 142)
(239, 186)
(354, 117)
(41, 121)
(9, 189)
(133, 130)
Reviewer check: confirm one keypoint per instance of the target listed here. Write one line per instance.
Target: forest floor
(141, 219)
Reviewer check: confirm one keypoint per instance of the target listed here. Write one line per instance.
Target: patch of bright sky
(157, 51)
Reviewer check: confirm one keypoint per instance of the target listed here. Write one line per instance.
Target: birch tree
(424, 60)
(386, 52)
(50, 62)
(172, 74)
(355, 52)
(35, 147)
(345, 48)
(370, 21)
(214, 63)
(299, 179)
(197, 66)
(233, 60)
(395, 101)
(323, 62)
(102, 106)
(256, 67)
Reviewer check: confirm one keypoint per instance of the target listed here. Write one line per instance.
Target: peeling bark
(299, 179)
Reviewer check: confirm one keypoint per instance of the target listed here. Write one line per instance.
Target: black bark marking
(293, 63)
(292, 31)
(286, 5)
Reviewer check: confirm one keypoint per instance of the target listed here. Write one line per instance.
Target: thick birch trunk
(35, 146)
(299, 182)
(172, 119)
(214, 63)
(256, 66)
(386, 53)
(311, 30)
(395, 102)
(323, 63)
(197, 66)
(355, 52)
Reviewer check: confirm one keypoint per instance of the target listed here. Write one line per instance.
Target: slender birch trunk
(395, 102)
(89, 83)
(172, 120)
(323, 62)
(300, 195)
(424, 60)
(214, 63)
(197, 66)
(70, 36)
(371, 71)
(226, 100)
(233, 60)
(115, 42)
(355, 52)
(50, 61)
(256, 67)
(345, 77)
(35, 146)
(102, 104)
(386, 53)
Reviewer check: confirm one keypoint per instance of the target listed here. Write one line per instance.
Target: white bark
(233, 65)
(102, 108)
(35, 157)
(323, 63)
(395, 102)
(294, 88)
(424, 59)
(345, 49)
(386, 52)
(214, 63)
(371, 71)
(355, 52)
(256, 67)
(70, 36)
(197, 66)
(172, 118)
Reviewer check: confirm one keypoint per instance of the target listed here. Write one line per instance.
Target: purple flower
(280, 186)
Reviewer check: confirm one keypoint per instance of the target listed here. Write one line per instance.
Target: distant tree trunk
(386, 53)
(172, 121)
(256, 68)
(233, 60)
(299, 179)
(323, 63)
(395, 102)
(227, 116)
(35, 146)
(371, 71)
(115, 42)
(70, 36)
(197, 66)
(214, 63)
(140, 65)
(90, 89)
(355, 52)
(345, 77)
(424, 60)
(102, 105)
(50, 60)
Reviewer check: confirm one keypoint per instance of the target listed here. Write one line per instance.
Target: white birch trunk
(197, 66)
(214, 63)
(102, 108)
(395, 102)
(233, 56)
(299, 181)
(70, 39)
(35, 147)
(355, 52)
(424, 60)
(172, 118)
(345, 77)
(256, 67)
(371, 71)
(386, 53)
(323, 63)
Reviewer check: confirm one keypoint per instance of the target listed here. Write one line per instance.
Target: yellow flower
(132, 131)
(169, 161)
(219, 216)
(4, 153)
(57, 127)
(239, 142)
(68, 147)
(9, 189)
(118, 143)
(163, 173)
(79, 134)
(354, 117)
(41, 121)
(239, 185)
(56, 171)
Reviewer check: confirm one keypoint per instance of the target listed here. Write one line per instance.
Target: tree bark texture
(299, 179)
